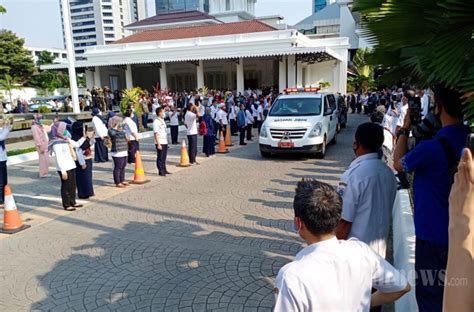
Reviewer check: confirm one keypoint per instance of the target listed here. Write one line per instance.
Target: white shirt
(3, 136)
(221, 115)
(425, 104)
(214, 111)
(130, 128)
(64, 160)
(259, 112)
(190, 123)
(334, 275)
(174, 120)
(233, 112)
(248, 117)
(254, 110)
(403, 109)
(159, 127)
(368, 190)
(99, 126)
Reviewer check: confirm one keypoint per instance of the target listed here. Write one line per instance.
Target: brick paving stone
(210, 237)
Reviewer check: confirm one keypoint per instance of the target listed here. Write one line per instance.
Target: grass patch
(21, 151)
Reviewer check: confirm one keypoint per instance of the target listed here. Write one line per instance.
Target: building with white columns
(190, 50)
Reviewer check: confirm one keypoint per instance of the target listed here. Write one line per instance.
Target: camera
(414, 104)
(427, 128)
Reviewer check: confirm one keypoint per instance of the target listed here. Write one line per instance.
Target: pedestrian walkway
(206, 238)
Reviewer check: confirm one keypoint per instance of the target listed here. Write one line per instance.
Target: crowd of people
(346, 228)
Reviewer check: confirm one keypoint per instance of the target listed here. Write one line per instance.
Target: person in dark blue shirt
(432, 162)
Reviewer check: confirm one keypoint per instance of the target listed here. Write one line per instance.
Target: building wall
(323, 72)
(59, 54)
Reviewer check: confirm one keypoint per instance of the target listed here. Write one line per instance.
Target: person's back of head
(368, 138)
(449, 100)
(318, 206)
(377, 117)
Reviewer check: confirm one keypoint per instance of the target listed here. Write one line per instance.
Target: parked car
(33, 108)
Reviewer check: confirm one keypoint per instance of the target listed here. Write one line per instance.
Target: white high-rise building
(100, 22)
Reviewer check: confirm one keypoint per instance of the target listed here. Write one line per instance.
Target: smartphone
(470, 142)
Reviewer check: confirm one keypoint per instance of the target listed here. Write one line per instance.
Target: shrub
(43, 109)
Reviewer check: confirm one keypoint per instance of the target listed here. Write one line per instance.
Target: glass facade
(171, 6)
(319, 5)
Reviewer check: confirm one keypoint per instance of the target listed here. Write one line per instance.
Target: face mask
(66, 134)
(40, 121)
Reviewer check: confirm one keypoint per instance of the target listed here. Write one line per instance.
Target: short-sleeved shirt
(368, 189)
(334, 275)
(130, 128)
(222, 115)
(190, 122)
(159, 127)
(432, 182)
(403, 109)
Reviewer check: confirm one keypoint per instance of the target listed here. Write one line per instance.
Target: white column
(343, 73)
(336, 82)
(307, 76)
(163, 77)
(200, 74)
(282, 74)
(128, 77)
(97, 81)
(291, 71)
(70, 56)
(299, 74)
(240, 76)
(89, 79)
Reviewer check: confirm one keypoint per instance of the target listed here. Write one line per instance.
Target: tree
(364, 72)
(423, 42)
(9, 83)
(46, 80)
(14, 58)
(45, 57)
(131, 98)
(2, 9)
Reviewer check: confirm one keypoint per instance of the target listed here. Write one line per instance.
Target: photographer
(433, 162)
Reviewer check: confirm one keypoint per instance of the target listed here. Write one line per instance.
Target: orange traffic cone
(11, 217)
(184, 155)
(139, 177)
(228, 138)
(222, 148)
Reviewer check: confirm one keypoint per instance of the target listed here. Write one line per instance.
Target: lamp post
(70, 56)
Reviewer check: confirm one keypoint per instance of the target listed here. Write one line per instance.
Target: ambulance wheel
(265, 154)
(322, 153)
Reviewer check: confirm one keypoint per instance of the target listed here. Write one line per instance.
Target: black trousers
(233, 127)
(68, 188)
(242, 135)
(430, 267)
(120, 163)
(249, 132)
(222, 129)
(259, 125)
(133, 147)
(161, 158)
(3, 180)
(192, 147)
(174, 134)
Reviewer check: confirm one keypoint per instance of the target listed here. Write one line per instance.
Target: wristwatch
(404, 132)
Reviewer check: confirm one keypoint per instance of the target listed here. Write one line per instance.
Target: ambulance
(301, 120)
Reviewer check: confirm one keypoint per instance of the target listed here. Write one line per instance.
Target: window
(107, 14)
(37, 53)
(82, 10)
(108, 28)
(83, 30)
(79, 51)
(108, 42)
(121, 16)
(56, 54)
(227, 5)
(85, 44)
(106, 7)
(296, 107)
(80, 2)
(83, 23)
(109, 35)
(108, 21)
(83, 16)
(64, 55)
(84, 37)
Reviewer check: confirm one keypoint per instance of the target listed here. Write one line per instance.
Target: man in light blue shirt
(368, 189)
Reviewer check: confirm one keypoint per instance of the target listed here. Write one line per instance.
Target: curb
(19, 159)
(404, 247)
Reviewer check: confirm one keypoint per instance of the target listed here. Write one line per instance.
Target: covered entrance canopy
(233, 56)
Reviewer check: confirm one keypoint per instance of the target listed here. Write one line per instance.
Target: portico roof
(258, 44)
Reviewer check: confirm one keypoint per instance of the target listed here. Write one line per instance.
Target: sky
(39, 21)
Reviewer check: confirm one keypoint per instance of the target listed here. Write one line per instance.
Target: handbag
(108, 142)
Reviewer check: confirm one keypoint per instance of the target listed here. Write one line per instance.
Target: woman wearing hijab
(40, 136)
(208, 147)
(4, 131)
(119, 150)
(84, 185)
(65, 164)
(101, 153)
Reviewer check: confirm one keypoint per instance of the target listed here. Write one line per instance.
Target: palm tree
(423, 42)
(2, 9)
(363, 70)
(9, 83)
(131, 98)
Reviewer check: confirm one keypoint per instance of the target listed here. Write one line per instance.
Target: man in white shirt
(329, 274)
(221, 117)
(161, 141)
(101, 153)
(190, 122)
(259, 116)
(368, 190)
(233, 117)
(174, 124)
(131, 132)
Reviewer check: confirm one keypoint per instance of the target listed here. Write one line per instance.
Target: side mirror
(328, 112)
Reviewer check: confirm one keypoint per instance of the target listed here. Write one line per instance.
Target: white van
(300, 122)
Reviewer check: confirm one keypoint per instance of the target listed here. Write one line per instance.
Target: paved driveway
(210, 237)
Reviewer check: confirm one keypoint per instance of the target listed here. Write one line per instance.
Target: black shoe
(167, 172)
(243, 143)
(162, 174)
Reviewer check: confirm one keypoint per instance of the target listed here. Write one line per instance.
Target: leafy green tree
(46, 80)
(363, 70)
(14, 58)
(2, 9)
(8, 83)
(423, 42)
(45, 57)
